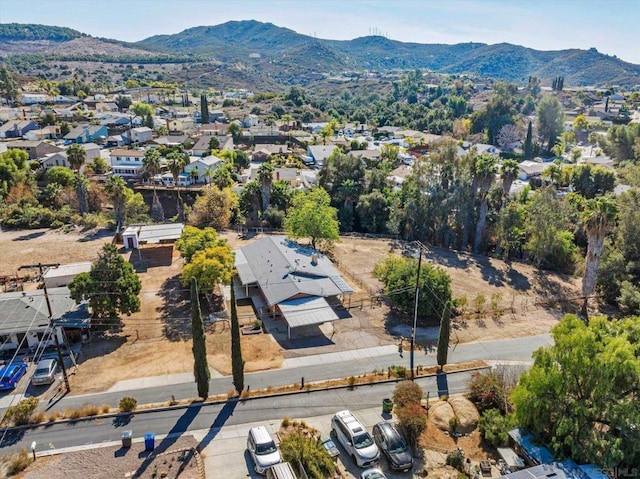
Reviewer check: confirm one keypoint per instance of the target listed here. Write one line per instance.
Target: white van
(281, 471)
(263, 449)
(355, 439)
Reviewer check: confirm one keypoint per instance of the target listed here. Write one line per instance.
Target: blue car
(11, 374)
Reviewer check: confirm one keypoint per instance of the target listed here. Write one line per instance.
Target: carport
(308, 311)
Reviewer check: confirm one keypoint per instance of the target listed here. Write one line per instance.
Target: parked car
(11, 374)
(393, 446)
(45, 372)
(355, 439)
(262, 448)
(374, 473)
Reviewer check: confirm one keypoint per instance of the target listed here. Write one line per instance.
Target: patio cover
(306, 312)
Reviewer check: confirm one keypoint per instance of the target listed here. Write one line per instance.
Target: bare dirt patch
(171, 459)
(49, 246)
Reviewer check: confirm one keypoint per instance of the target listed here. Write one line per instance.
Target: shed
(137, 235)
(63, 274)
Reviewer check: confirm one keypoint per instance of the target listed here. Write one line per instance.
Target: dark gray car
(392, 445)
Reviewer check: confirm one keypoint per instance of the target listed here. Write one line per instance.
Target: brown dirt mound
(466, 413)
(440, 414)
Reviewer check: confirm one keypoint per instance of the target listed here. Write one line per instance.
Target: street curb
(224, 401)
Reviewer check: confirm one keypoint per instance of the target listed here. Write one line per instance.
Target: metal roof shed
(163, 233)
(511, 458)
(306, 312)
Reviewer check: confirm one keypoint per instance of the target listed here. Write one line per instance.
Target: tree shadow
(121, 420)
(179, 428)
(35, 234)
(517, 280)
(175, 311)
(225, 413)
(11, 437)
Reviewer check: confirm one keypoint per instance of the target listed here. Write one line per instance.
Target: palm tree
(252, 196)
(348, 191)
(176, 160)
(599, 219)
(509, 172)
(77, 157)
(265, 179)
(553, 173)
(485, 175)
(152, 164)
(116, 189)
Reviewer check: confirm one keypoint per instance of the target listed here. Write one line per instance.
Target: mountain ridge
(283, 53)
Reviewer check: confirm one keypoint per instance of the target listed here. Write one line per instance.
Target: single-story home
(531, 169)
(136, 235)
(24, 319)
(264, 151)
(293, 282)
(317, 154)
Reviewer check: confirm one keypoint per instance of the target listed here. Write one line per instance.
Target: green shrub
(456, 459)
(494, 427)
(299, 448)
(21, 413)
(406, 393)
(488, 390)
(128, 404)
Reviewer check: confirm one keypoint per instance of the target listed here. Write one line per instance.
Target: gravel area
(171, 459)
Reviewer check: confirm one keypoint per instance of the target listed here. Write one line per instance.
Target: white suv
(355, 439)
(263, 449)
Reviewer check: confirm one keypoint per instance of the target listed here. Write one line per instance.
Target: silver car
(45, 372)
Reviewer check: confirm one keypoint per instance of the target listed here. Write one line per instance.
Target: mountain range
(284, 55)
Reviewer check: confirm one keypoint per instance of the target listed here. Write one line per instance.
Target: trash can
(149, 441)
(387, 406)
(126, 438)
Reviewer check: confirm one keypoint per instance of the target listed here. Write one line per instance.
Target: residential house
(127, 163)
(286, 280)
(17, 128)
(601, 160)
(366, 155)
(166, 233)
(50, 132)
(33, 98)
(35, 149)
(140, 135)
(92, 151)
(487, 149)
(24, 319)
(201, 146)
(531, 169)
(180, 124)
(87, 134)
(317, 154)
(213, 129)
(290, 175)
(171, 140)
(264, 130)
(201, 169)
(398, 176)
(250, 121)
(262, 152)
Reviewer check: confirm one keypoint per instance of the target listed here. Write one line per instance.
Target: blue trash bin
(149, 441)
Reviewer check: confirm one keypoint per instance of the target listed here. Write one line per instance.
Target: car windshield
(266, 448)
(397, 447)
(41, 372)
(363, 440)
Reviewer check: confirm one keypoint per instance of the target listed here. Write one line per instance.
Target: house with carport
(289, 282)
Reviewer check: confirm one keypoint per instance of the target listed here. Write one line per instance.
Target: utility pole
(40, 267)
(415, 312)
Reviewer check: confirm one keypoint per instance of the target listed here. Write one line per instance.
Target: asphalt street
(211, 418)
(513, 349)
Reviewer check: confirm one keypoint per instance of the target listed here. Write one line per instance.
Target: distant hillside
(235, 41)
(262, 54)
(30, 32)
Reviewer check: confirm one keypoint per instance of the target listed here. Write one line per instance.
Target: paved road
(515, 349)
(209, 419)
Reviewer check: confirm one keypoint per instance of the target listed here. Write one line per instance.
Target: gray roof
(307, 311)
(21, 311)
(283, 270)
(321, 152)
(158, 233)
(68, 269)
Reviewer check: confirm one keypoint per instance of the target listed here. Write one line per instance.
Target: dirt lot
(171, 459)
(49, 246)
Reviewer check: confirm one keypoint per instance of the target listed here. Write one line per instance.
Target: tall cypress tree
(528, 143)
(443, 338)
(204, 109)
(237, 363)
(200, 366)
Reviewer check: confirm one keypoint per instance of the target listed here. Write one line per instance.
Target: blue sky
(608, 25)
